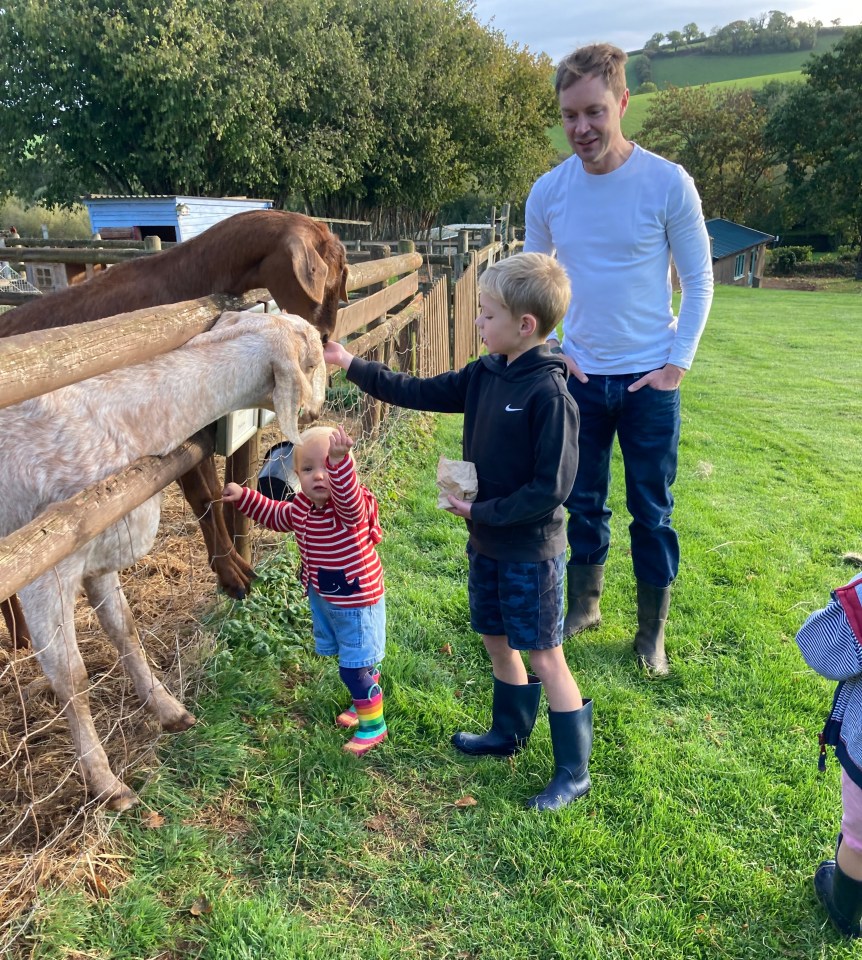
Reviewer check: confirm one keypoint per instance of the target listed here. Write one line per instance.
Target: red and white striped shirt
(336, 541)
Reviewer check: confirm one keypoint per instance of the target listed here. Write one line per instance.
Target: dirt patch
(788, 283)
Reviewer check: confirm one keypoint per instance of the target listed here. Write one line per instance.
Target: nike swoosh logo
(511, 409)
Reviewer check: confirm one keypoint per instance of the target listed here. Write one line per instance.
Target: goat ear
(287, 399)
(309, 268)
(291, 387)
(342, 293)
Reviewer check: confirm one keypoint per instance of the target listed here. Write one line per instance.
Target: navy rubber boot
(513, 716)
(572, 740)
(841, 896)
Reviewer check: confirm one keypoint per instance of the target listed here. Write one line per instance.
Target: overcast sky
(558, 26)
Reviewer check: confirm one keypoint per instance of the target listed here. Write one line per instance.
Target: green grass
(707, 815)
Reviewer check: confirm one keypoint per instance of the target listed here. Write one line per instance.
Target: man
(615, 214)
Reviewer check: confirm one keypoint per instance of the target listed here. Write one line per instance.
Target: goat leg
(13, 614)
(108, 600)
(202, 490)
(50, 604)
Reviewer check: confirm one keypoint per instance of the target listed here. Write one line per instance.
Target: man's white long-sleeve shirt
(614, 234)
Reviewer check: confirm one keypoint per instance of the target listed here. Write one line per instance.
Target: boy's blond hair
(530, 283)
(312, 434)
(594, 60)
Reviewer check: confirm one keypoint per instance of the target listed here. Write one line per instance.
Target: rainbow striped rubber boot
(347, 718)
(371, 726)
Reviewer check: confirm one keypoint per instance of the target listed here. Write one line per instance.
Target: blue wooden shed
(171, 218)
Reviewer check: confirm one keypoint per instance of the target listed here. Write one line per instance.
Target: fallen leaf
(200, 907)
(100, 888)
(152, 820)
(458, 694)
(378, 823)
(466, 801)
(447, 649)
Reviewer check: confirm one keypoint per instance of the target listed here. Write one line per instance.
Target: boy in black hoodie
(520, 430)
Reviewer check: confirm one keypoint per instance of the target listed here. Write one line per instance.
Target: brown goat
(300, 262)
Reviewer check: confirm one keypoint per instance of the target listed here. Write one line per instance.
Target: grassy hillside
(639, 105)
(694, 69)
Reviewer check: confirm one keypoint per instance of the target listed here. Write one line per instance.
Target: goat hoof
(121, 797)
(183, 722)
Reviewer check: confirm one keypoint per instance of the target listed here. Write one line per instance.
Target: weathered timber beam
(369, 308)
(66, 526)
(388, 329)
(35, 363)
(377, 271)
(76, 254)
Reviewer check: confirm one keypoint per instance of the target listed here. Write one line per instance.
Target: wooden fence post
(460, 258)
(240, 468)
(372, 410)
(407, 345)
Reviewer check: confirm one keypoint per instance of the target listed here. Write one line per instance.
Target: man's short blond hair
(530, 283)
(595, 60)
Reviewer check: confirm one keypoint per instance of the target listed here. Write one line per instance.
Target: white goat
(59, 443)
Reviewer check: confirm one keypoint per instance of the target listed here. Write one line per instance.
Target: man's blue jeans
(647, 424)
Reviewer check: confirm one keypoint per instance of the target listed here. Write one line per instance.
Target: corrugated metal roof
(729, 237)
(165, 196)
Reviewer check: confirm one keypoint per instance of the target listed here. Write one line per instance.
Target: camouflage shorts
(522, 601)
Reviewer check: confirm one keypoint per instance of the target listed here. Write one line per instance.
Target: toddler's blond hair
(313, 434)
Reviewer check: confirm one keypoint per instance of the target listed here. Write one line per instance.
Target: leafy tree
(336, 104)
(717, 135)
(457, 111)
(767, 33)
(184, 96)
(675, 39)
(817, 132)
(654, 42)
(643, 69)
(691, 32)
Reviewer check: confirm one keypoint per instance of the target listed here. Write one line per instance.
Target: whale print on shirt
(334, 583)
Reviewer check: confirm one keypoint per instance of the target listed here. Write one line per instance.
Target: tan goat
(63, 441)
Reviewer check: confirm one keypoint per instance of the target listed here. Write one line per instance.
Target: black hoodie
(521, 431)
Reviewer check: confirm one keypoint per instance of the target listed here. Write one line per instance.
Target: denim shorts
(356, 634)
(522, 601)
